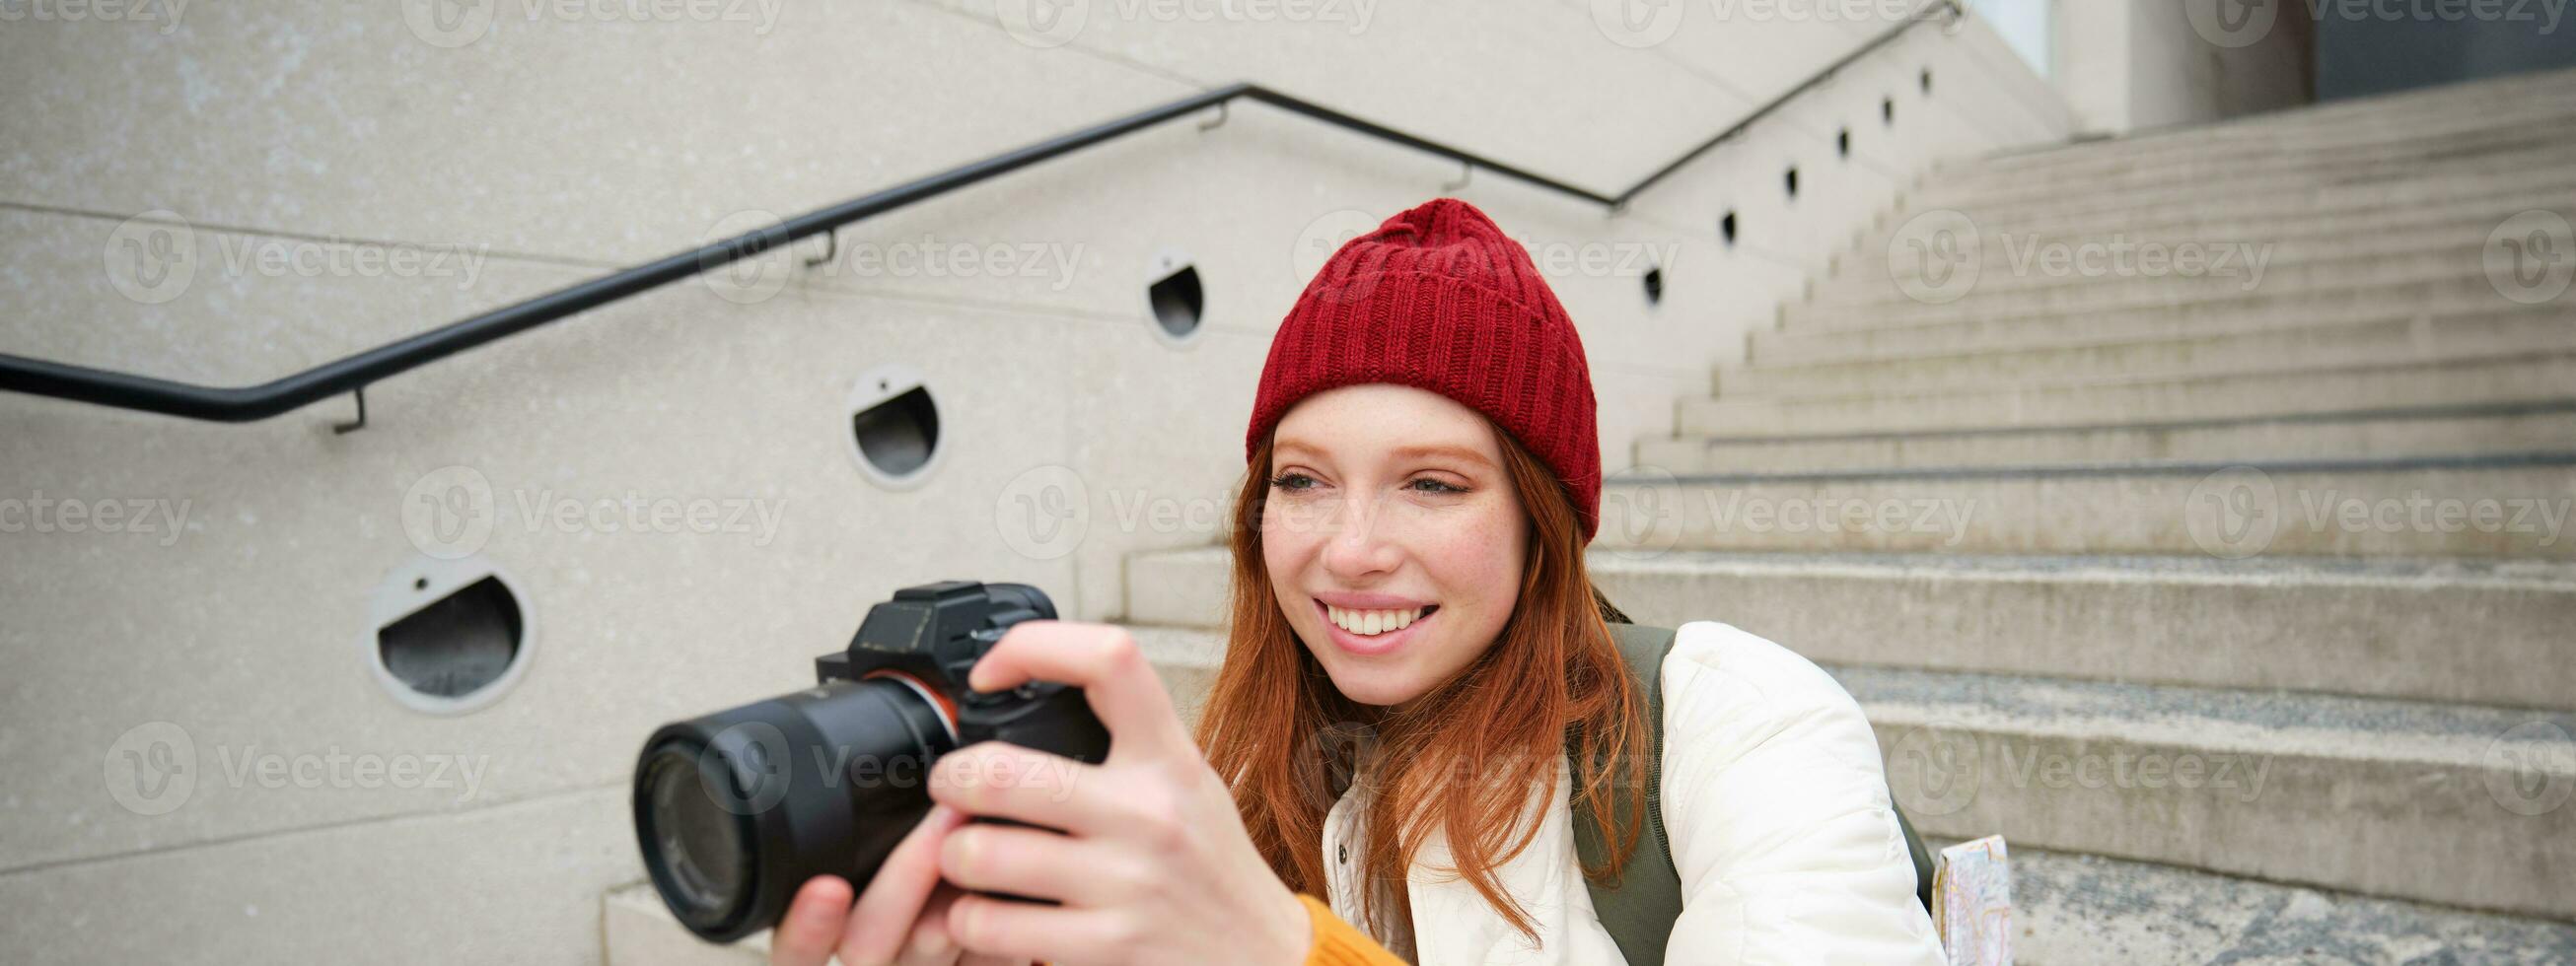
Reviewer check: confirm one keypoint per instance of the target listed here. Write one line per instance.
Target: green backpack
(1639, 911)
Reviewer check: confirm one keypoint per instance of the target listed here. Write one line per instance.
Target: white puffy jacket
(1776, 805)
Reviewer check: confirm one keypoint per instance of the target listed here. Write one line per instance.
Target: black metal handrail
(352, 374)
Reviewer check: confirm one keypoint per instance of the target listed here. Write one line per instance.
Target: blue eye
(1282, 481)
(1441, 487)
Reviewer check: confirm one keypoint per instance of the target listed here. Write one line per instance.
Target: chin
(1373, 688)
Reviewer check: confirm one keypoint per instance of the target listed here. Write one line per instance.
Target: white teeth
(1367, 622)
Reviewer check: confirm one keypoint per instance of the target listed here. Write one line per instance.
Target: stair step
(2453, 804)
(2344, 793)
(2383, 628)
(2230, 285)
(2071, 909)
(2481, 147)
(2288, 205)
(2415, 305)
(2346, 124)
(2357, 508)
(2292, 221)
(2385, 340)
(2024, 260)
(2437, 431)
(2531, 376)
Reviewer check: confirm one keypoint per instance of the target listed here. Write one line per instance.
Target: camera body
(735, 810)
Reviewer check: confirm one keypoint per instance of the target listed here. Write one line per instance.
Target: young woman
(1383, 772)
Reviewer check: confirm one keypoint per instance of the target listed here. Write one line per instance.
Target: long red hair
(1467, 757)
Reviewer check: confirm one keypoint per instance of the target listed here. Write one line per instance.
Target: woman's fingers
(1027, 930)
(930, 944)
(1034, 863)
(1104, 661)
(882, 922)
(1003, 780)
(812, 926)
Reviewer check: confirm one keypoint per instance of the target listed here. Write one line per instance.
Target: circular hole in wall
(1175, 299)
(1726, 228)
(1927, 80)
(1791, 181)
(1887, 110)
(447, 636)
(1842, 143)
(894, 426)
(1655, 285)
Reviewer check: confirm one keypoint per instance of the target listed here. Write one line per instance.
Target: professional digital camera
(737, 809)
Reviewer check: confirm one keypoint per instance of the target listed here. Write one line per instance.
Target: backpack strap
(1640, 910)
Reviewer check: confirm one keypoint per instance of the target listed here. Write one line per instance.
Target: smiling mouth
(1371, 624)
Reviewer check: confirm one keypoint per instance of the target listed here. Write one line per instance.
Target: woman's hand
(902, 920)
(1153, 866)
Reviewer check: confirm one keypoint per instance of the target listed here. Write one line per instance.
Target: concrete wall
(201, 763)
(2130, 65)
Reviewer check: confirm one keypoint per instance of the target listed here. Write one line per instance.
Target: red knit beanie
(1437, 298)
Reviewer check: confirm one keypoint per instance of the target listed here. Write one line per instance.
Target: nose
(1355, 548)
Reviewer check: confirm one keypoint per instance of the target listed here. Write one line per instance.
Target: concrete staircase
(2245, 611)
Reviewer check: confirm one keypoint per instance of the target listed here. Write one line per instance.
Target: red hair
(1467, 757)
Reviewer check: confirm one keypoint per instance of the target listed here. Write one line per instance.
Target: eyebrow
(1459, 452)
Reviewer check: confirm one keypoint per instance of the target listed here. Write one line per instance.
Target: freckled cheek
(1474, 565)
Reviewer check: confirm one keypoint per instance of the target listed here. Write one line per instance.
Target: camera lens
(705, 849)
(736, 810)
